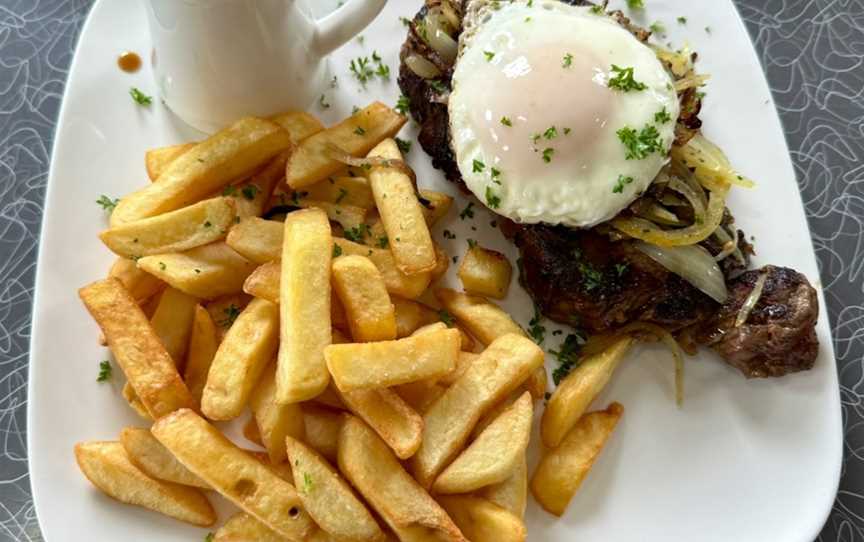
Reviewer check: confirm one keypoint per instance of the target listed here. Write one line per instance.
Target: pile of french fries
(258, 273)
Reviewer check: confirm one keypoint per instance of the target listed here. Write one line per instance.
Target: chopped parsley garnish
(662, 116)
(597, 10)
(337, 251)
(489, 55)
(354, 109)
(357, 233)
(478, 166)
(496, 175)
(209, 537)
(322, 101)
(162, 266)
(547, 154)
(405, 21)
(624, 81)
(361, 68)
(591, 278)
(307, 482)
(231, 312)
(360, 130)
(472, 243)
(621, 183)
(139, 97)
(404, 145)
(621, 268)
(334, 82)
(105, 371)
(707, 29)
(342, 194)
(682, 20)
(537, 331)
(446, 317)
(437, 86)
(506, 121)
(383, 71)
(297, 196)
(468, 211)
(636, 4)
(249, 191)
(207, 224)
(107, 203)
(567, 131)
(550, 133)
(229, 191)
(640, 144)
(567, 356)
(657, 27)
(448, 234)
(492, 200)
(568, 61)
(383, 242)
(402, 104)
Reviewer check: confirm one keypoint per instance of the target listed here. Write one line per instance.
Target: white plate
(742, 460)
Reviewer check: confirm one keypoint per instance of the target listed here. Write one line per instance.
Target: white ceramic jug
(218, 60)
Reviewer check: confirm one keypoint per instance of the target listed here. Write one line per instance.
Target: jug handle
(339, 27)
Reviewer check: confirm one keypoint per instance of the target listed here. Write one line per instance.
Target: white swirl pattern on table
(812, 50)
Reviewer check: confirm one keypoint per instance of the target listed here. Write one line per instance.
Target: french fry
(230, 154)
(483, 521)
(411, 315)
(157, 160)
(442, 264)
(298, 124)
(389, 416)
(485, 272)
(154, 460)
(235, 474)
(420, 395)
(141, 285)
(361, 290)
(500, 369)
(397, 282)
(464, 361)
(390, 363)
(483, 319)
(248, 346)
(512, 493)
(175, 231)
(241, 527)
(377, 474)
(571, 398)
(134, 402)
(304, 294)
(275, 421)
(322, 428)
(313, 160)
(562, 469)
(264, 282)
(396, 200)
(224, 310)
(257, 239)
(536, 383)
(252, 433)
(328, 498)
(172, 323)
(203, 342)
(108, 468)
(136, 347)
(251, 196)
(330, 397)
(353, 191)
(205, 272)
(435, 205)
(494, 454)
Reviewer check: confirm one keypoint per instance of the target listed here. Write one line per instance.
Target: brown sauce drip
(129, 62)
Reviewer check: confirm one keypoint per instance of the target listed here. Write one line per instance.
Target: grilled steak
(586, 279)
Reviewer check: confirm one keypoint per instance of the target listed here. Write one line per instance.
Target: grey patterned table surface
(812, 50)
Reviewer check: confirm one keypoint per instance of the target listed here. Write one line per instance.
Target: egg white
(533, 76)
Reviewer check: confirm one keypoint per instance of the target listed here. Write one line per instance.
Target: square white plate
(742, 460)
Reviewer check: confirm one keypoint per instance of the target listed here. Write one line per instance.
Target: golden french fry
(536, 383)
(141, 285)
(241, 527)
(483, 319)
(397, 282)
(494, 454)
(172, 323)
(248, 346)
(385, 412)
(304, 294)
(205, 272)
(353, 191)
(136, 347)
(330, 397)
(322, 428)
(373, 470)
(399, 208)
(502, 367)
(361, 290)
(230, 154)
(483, 521)
(275, 421)
(252, 433)
(154, 460)
(512, 493)
(464, 361)
(134, 402)
(298, 124)
(203, 342)
(390, 363)
(562, 469)
(313, 160)
(108, 468)
(235, 474)
(224, 310)
(420, 395)
(442, 263)
(157, 160)
(328, 498)
(571, 398)
(251, 196)
(485, 272)
(411, 316)
(435, 205)
(175, 231)
(257, 239)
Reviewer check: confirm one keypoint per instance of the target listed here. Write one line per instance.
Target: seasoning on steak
(778, 337)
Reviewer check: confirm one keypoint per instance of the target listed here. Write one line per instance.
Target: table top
(812, 51)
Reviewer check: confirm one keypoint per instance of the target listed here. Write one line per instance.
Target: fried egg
(557, 113)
